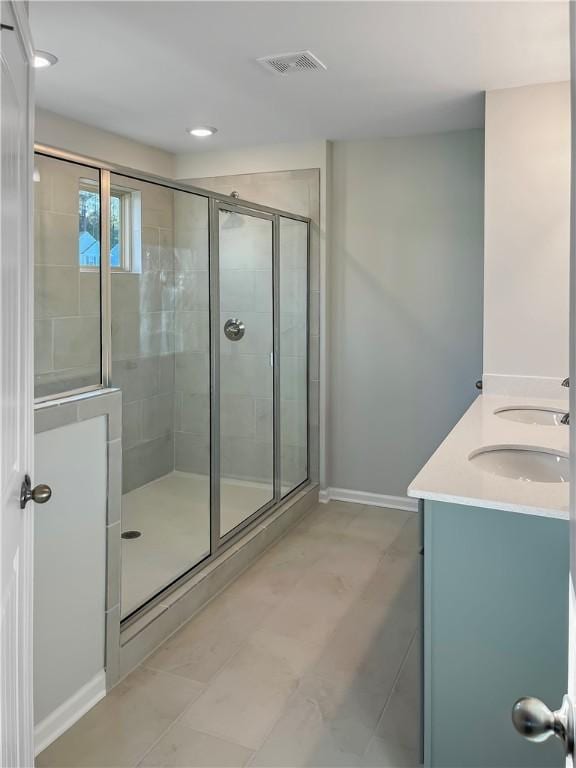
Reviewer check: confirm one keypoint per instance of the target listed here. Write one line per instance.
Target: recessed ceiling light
(43, 59)
(202, 131)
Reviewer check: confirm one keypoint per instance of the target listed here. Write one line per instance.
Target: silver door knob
(536, 722)
(234, 329)
(40, 494)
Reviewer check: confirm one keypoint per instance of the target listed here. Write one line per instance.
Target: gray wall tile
(192, 453)
(157, 414)
(115, 463)
(53, 416)
(147, 461)
(56, 291)
(56, 239)
(76, 342)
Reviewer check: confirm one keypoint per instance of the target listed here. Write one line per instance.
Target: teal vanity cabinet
(495, 629)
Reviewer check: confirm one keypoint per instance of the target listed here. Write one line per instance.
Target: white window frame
(130, 218)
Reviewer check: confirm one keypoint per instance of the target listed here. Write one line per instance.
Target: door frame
(217, 205)
(24, 696)
(571, 687)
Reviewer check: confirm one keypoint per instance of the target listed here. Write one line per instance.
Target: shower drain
(131, 534)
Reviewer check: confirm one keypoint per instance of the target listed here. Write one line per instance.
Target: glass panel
(160, 360)
(293, 353)
(66, 276)
(246, 380)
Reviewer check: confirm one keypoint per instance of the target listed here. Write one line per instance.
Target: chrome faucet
(566, 418)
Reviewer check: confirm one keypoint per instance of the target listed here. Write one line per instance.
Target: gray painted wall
(405, 302)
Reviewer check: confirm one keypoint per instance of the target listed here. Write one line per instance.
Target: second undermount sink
(531, 465)
(529, 414)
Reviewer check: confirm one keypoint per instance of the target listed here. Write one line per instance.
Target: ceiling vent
(288, 63)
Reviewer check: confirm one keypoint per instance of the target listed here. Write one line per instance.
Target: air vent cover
(288, 63)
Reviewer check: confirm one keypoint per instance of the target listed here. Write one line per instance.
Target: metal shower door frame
(217, 541)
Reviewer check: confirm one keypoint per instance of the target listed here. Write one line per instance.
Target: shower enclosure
(196, 306)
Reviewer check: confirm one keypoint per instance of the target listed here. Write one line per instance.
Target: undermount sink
(528, 414)
(532, 465)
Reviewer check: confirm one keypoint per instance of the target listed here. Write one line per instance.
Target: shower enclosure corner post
(276, 358)
(105, 280)
(214, 355)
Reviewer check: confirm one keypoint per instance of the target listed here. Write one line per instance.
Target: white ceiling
(148, 70)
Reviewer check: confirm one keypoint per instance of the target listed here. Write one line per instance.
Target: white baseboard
(371, 499)
(69, 712)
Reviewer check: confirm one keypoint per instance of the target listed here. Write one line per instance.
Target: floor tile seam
(374, 735)
(381, 602)
(394, 683)
(165, 731)
(196, 615)
(360, 680)
(410, 520)
(305, 571)
(216, 735)
(244, 642)
(172, 673)
(298, 691)
(362, 539)
(287, 704)
(175, 722)
(399, 555)
(255, 628)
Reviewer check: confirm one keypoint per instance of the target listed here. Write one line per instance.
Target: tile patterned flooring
(309, 659)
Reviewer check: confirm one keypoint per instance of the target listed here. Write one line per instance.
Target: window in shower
(125, 216)
(67, 352)
(160, 361)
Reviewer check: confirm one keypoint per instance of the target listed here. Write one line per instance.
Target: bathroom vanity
(496, 563)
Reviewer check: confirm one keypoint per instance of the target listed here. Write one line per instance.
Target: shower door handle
(234, 329)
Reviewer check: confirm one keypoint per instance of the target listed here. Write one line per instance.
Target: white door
(532, 717)
(571, 683)
(571, 686)
(16, 531)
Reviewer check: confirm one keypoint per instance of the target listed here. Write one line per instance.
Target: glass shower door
(246, 376)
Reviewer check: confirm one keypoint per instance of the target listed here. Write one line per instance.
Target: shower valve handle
(234, 329)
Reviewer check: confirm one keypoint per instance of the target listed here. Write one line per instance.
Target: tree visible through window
(89, 229)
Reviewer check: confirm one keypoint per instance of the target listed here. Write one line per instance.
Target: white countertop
(450, 476)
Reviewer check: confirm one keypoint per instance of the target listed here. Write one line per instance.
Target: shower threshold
(172, 515)
(142, 632)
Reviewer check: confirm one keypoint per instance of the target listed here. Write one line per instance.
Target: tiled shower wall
(66, 298)
(245, 368)
(143, 341)
(246, 372)
(192, 340)
(296, 192)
